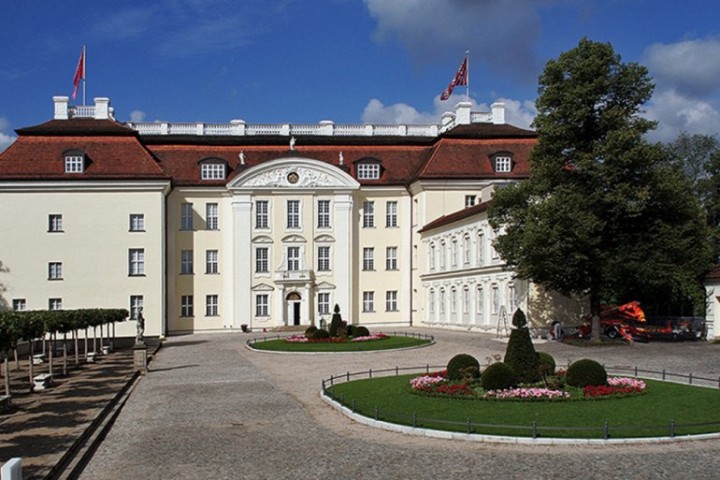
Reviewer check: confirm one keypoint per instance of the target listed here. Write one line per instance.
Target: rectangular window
(368, 258)
(211, 261)
(368, 171)
(186, 262)
(391, 301)
(466, 300)
(503, 164)
(137, 261)
(74, 164)
(186, 306)
(19, 304)
(261, 260)
(323, 303)
(261, 305)
(137, 222)
(323, 259)
(391, 214)
(186, 216)
(368, 214)
(466, 249)
(479, 248)
(470, 200)
(293, 257)
(212, 171)
(368, 301)
(323, 213)
(211, 305)
(293, 214)
(136, 306)
(55, 304)
(211, 216)
(55, 271)
(391, 262)
(261, 214)
(55, 222)
(454, 252)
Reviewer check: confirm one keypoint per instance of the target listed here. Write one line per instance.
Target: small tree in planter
(520, 353)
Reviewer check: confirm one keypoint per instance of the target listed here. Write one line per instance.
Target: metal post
(663, 376)
(347, 376)
(396, 371)
(353, 405)
(672, 427)
(690, 379)
(469, 426)
(534, 428)
(636, 371)
(377, 415)
(370, 373)
(607, 430)
(414, 419)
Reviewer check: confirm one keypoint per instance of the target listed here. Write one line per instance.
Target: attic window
(74, 163)
(212, 170)
(502, 163)
(368, 171)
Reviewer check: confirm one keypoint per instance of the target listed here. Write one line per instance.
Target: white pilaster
(343, 212)
(242, 257)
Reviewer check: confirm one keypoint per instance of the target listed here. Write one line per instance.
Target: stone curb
(280, 352)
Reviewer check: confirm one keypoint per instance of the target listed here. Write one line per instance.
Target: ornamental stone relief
(293, 177)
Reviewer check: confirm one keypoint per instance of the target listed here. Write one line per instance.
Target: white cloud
(5, 139)
(677, 113)
(690, 66)
(137, 116)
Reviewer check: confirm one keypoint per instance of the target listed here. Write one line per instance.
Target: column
(344, 245)
(242, 250)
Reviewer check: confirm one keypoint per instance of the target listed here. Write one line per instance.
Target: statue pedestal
(140, 358)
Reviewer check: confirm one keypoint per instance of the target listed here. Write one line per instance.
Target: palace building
(220, 227)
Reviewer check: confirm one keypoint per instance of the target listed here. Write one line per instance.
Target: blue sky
(351, 61)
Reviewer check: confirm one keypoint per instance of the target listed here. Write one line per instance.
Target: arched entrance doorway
(294, 300)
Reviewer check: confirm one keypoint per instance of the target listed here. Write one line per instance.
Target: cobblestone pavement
(211, 408)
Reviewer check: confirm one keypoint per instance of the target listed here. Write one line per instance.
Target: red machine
(626, 321)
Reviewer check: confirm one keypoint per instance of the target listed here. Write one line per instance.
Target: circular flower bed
(553, 388)
(305, 339)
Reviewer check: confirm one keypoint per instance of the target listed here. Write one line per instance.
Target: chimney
(61, 108)
(102, 108)
(498, 113)
(462, 113)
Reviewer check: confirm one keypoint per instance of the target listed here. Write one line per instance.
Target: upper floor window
(368, 214)
(368, 258)
(368, 171)
(74, 163)
(136, 259)
(323, 214)
(293, 214)
(55, 222)
(186, 216)
(211, 216)
(470, 200)
(137, 222)
(211, 261)
(262, 264)
(212, 170)
(323, 259)
(261, 214)
(293, 258)
(391, 262)
(391, 214)
(186, 262)
(502, 163)
(55, 271)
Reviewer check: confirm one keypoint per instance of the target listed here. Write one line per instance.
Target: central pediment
(293, 173)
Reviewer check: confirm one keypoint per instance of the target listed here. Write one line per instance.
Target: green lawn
(389, 343)
(627, 417)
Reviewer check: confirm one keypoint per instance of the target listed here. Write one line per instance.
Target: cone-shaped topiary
(463, 367)
(520, 353)
(586, 372)
(498, 376)
(336, 322)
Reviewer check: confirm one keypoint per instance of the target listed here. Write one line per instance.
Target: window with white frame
(467, 248)
(391, 262)
(431, 257)
(368, 171)
(211, 216)
(211, 305)
(136, 306)
(453, 300)
(503, 163)
(186, 216)
(212, 171)
(443, 254)
(323, 214)
(136, 257)
(137, 222)
(466, 300)
(480, 248)
(323, 303)
(511, 297)
(293, 214)
(454, 252)
(186, 306)
(55, 304)
(186, 262)
(470, 200)
(262, 214)
(495, 299)
(431, 302)
(391, 214)
(211, 261)
(261, 305)
(19, 304)
(368, 301)
(323, 258)
(74, 163)
(441, 307)
(262, 262)
(368, 214)
(391, 304)
(479, 300)
(368, 258)
(293, 258)
(55, 223)
(55, 271)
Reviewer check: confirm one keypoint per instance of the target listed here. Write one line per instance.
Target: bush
(520, 353)
(498, 376)
(320, 333)
(586, 372)
(336, 323)
(463, 367)
(310, 330)
(360, 331)
(546, 363)
(351, 330)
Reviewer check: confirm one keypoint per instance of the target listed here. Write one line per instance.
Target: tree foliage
(603, 213)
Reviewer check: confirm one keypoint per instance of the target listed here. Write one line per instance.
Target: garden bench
(42, 381)
(38, 359)
(90, 357)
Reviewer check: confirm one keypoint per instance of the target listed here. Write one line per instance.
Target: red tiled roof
(78, 126)
(456, 216)
(713, 274)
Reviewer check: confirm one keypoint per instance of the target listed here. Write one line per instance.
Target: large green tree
(604, 214)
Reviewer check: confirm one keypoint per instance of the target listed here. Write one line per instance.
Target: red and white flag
(460, 79)
(79, 73)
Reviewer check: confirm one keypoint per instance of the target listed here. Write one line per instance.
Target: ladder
(502, 325)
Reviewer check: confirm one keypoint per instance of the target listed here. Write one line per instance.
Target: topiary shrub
(310, 330)
(360, 331)
(351, 330)
(336, 322)
(320, 333)
(586, 372)
(520, 353)
(546, 363)
(463, 367)
(498, 376)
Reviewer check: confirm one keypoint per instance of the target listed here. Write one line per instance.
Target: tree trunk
(31, 367)
(595, 317)
(75, 342)
(7, 374)
(64, 354)
(86, 342)
(94, 339)
(50, 354)
(17, 359)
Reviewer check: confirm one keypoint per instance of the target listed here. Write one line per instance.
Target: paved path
(212, 409)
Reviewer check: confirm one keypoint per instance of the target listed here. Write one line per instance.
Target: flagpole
(83, 73)
(467, 74)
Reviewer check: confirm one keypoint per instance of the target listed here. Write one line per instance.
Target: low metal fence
(266, 338)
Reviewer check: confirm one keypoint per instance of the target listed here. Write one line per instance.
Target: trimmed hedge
(586, 372)
(546, 362)
(360, 331)
(463, 367)
(498, 376)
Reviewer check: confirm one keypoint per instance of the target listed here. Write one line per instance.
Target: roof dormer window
(502, 163)
(74, 162)
(213, 170)
(368, 169)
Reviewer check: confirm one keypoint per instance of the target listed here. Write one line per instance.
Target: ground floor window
(391, 301)
(136, 306)
(186, 306)
(261, 305)
(19, 304)
(323, 303)
(368, 301)
(211, 305)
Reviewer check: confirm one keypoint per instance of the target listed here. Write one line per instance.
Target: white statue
(242, 157)
(292, 143)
